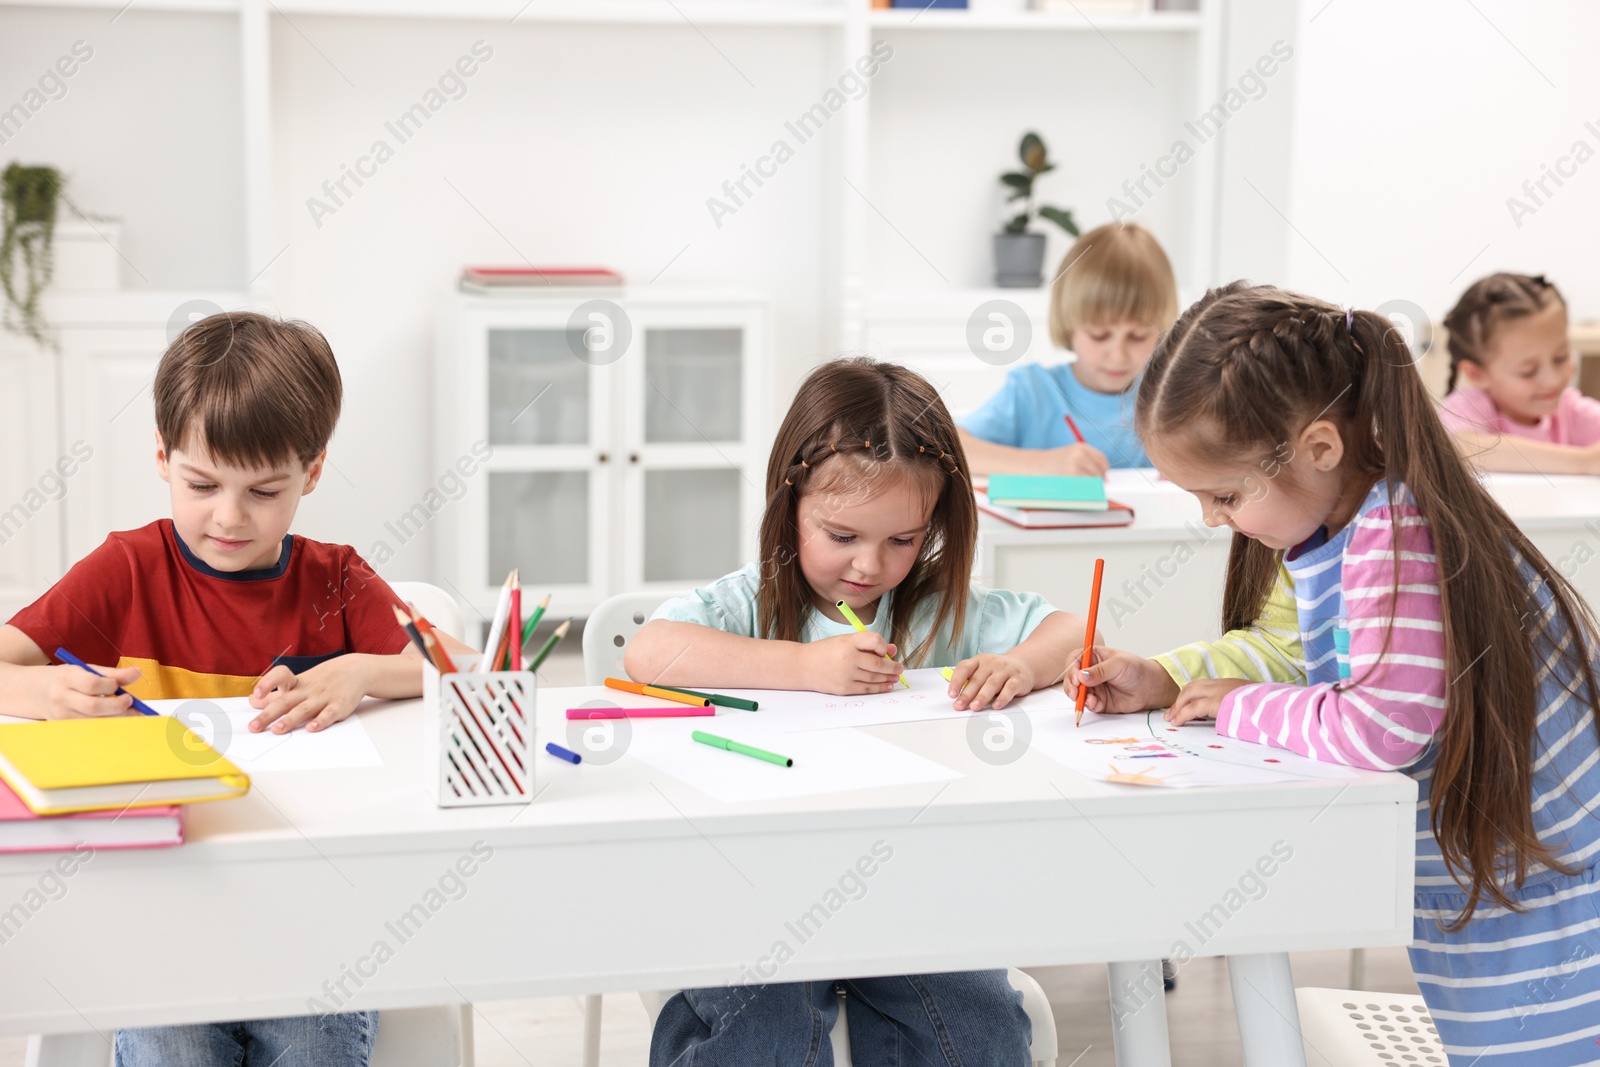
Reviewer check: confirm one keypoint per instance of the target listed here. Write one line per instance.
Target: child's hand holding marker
(1121, 682)
(73, 692)
(850, 664)
(988, 680)
(861, 628)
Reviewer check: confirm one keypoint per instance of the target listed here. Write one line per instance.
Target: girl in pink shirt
(1434, 639)
(1510, 352)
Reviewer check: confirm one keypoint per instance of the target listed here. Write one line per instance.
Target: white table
(619, 878)
(1164, 574)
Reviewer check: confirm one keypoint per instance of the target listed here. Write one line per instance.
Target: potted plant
(27, 259)
(1018, 252)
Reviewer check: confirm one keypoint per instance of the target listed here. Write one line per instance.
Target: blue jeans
(965, 1019)
(343, 1040)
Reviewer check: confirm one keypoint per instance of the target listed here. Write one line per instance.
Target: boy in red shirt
(221, 600)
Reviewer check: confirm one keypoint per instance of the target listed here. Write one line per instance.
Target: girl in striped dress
(1471, 662)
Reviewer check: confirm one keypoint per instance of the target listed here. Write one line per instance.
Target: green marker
(861, 628)
(744, 750)
(715, 698)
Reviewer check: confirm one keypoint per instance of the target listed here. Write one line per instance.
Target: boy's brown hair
(1113, 273)
(1487, 303)
(254, 390)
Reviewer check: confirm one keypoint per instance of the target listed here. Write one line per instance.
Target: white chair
(1351, 1028)
(436, 605)
(407, 1037)
(605, 641)
(1041, 1046)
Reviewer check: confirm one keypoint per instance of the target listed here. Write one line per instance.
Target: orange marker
(640, 689)
(1088, 638)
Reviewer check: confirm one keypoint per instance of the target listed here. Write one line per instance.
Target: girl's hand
(1122, 682)
(851, 664)
(317, 699)
(1201, 698)
(70, 692)
(987, 680)
(1078, 459)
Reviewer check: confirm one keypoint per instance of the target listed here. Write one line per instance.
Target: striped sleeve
(1268, 650)
(1385, 715)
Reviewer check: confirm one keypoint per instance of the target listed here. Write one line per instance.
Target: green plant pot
(1019, 260)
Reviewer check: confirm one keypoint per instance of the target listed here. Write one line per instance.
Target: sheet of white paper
(1115, 747)
(832, 761)
(795, 710)
(224, 724)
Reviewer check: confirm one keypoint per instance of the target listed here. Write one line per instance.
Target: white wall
(1415, 122)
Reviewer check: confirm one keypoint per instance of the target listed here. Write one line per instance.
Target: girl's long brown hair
(854, 424)
(1242, 372)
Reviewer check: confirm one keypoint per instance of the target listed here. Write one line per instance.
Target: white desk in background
(1164, 573)
(621, 878)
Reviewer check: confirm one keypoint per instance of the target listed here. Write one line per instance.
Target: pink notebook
(23, 831)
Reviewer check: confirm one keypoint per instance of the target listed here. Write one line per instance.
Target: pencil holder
(477, 735)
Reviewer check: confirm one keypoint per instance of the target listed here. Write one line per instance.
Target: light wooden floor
(548, 1032)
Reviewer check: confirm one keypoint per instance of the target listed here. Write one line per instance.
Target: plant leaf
(1060, 218)
(1032, 152)
(1019, 224)
(1021, 182)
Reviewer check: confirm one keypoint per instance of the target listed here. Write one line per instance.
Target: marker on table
(67, 657)
(640, 713)
(563, 753)
(639, 689)
(949, 675)
(716, 698)
(850, 616)
(1088, 640)
(744, 750)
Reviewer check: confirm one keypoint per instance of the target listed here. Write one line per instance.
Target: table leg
(1263, 1000)
(1139, 1014)
(591, 1030)
(67, 1050)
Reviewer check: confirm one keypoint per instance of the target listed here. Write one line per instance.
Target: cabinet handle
(633, 457)
(604, 457)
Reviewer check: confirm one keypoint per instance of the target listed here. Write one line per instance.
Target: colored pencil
(550, 645)
(497, 625)
(679, 712)
(861, 628)
(744, 750)
(430, 637)
(514, 646)
(414, 631)
(1088, 639)
(67, 657)
(642, 690)
(718, 699)
(1074, 428)
(533, 620)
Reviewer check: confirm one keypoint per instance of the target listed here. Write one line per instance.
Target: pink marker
(682, 711)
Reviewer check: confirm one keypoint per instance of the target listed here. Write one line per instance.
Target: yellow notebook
(135, 761)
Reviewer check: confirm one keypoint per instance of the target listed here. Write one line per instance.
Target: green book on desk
(1048, 492)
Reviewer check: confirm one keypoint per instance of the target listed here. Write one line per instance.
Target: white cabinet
(77, 434)
(626, 450)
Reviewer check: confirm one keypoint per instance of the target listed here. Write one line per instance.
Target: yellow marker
(861, 628)
(949, 674)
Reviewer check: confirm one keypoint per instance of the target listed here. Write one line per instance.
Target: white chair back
(436, 605)
(609, 629)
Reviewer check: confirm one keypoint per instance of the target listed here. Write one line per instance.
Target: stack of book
(1051, 501)
(521, 280)
(105, 783)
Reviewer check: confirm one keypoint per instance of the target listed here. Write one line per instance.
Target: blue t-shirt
(1028, 412)
(997, 621)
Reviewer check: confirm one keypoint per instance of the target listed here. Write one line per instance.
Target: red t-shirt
(144, 600)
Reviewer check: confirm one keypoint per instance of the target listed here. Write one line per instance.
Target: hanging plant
(29, 197)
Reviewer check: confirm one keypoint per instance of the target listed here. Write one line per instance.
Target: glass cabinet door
(538, 390)
(691, 524)
(694, 384)
(539, 523)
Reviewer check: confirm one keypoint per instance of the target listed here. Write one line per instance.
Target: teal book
(1048, 492)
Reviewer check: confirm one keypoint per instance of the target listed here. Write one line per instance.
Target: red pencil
(1088, 638)
(1074, 428)
(515, 628)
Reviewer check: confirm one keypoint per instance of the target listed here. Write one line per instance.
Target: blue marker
(67, 657)
(563, 753)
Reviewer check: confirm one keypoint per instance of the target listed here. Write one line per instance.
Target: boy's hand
(317, 699)
(71, 692)
(1078, 459)
(987, 680)
(1201, 698)
(850, 664)
(1122, 682)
